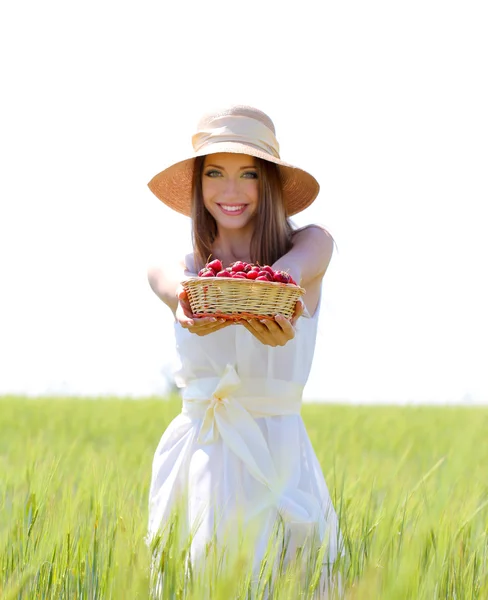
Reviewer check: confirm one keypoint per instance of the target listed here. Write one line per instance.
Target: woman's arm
(310, 255)
(307, 263)
(166, 284)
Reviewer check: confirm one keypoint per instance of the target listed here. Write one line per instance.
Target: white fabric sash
(229, 407)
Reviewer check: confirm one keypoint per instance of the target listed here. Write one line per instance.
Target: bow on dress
(227, 416)
(229, 407)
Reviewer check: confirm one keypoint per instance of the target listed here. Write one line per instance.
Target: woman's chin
(234, 222)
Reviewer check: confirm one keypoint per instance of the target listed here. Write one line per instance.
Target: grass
(410, 485)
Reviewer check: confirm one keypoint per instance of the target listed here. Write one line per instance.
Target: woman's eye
(250, 175)
(212, 173)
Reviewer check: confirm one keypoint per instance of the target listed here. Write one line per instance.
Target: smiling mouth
(232, 209)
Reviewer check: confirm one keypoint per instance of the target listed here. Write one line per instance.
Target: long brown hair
(272, 237)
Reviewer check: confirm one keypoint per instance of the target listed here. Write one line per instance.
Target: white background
(384, 102)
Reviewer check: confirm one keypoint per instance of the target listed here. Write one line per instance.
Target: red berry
(282, 276)
(247, 268)
(239, 275)
(208, 273)
(262, 278)
(216, 265)
(252, 275)
(223, 274)
(268, 269)
(266, 274)
(238, 266)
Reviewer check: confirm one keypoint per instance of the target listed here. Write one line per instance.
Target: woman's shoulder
(313, 231)
(315, 236)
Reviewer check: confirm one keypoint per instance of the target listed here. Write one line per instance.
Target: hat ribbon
(237, 129)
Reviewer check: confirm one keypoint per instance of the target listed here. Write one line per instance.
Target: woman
(239, 451)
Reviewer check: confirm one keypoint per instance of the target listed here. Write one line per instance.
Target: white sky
(384, 102)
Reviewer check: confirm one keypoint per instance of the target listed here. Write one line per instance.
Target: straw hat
(239, 130)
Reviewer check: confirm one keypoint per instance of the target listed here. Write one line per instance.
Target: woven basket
(240, 298)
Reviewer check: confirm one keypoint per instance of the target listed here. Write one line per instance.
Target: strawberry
(215, 265)
(223, 274)
(239, 275)
(247, 267)
(208, 273)
(262, 278)
(266, 274)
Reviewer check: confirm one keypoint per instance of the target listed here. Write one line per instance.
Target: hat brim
(173, 185)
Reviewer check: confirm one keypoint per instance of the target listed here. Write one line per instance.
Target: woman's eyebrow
(223, 169)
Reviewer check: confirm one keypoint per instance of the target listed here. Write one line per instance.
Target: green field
(410, 485)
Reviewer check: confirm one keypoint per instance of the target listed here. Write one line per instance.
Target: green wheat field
(410, 485)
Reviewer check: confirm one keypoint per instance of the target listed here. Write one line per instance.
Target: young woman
(239, 451)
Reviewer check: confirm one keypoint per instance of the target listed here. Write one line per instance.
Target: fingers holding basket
(194, 323)
(272, 332)
(206, 325)
(183, 313)
(299, 308)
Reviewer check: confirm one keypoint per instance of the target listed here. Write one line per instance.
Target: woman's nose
(230, 187)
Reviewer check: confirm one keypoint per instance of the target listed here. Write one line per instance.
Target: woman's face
(230, 188)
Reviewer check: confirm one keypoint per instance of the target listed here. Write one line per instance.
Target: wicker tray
(234, 299)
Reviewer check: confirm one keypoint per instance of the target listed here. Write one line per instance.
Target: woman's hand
(198, 325)
(276, 332)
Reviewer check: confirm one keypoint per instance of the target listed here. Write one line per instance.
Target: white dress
(240, 446)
